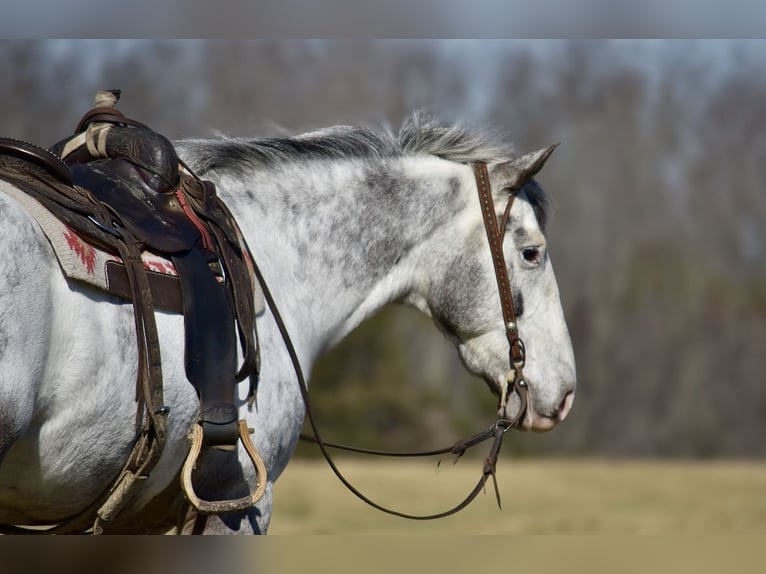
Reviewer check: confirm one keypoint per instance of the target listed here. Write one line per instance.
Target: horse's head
(464, 299)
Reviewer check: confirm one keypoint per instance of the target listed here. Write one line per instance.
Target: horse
(341, 222)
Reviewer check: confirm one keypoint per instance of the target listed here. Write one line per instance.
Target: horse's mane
(420, 134)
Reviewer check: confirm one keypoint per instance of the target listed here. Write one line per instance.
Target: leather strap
(495, 236)
(458, 449)
(495, 240)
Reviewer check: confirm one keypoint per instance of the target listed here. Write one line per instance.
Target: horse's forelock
(539, 200)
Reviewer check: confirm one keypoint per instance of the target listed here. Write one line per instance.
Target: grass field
(539, 497)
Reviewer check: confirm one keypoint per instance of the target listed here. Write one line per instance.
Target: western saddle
(120, 186)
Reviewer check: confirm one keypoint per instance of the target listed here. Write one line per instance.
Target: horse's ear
(511, 175)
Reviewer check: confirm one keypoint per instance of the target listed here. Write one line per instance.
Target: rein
(514, 383)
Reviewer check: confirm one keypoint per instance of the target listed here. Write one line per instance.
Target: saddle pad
(84, 262)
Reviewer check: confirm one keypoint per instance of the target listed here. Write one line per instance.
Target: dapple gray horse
(341, 221)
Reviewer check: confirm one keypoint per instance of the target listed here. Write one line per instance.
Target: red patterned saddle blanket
(82, 261)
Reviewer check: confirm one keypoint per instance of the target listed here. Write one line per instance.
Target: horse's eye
(532, 255)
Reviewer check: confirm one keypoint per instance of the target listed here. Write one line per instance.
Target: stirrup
(223, 506)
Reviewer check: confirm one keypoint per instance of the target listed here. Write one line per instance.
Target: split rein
(515, 381)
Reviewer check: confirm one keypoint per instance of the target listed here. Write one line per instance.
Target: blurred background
(657, 236)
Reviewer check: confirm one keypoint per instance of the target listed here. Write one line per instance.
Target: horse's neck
(337, 241)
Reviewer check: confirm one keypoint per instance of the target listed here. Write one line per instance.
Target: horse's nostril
(565, 406)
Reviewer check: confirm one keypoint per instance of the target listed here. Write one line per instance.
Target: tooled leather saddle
(120, 186)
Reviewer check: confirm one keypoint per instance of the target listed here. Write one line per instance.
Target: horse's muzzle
(542, 422)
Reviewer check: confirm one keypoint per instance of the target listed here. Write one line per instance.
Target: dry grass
(539, 497)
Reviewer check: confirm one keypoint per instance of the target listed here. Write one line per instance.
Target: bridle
(514, 383)
(495, 237)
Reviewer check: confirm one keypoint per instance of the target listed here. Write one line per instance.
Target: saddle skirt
(89, 264)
